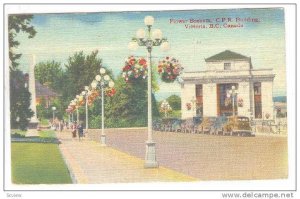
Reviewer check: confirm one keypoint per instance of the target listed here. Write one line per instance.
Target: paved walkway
(90, 163)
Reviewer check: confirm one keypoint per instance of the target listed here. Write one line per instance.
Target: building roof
(227, 55)
(42, 91)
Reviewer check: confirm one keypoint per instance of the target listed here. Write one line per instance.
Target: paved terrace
(89, 163)
(207, 157)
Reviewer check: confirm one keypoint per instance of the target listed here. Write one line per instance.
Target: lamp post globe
(53, 116)
(149, 21)
(165, 46)
(133, 45)
(98, 78)
(94, 84)
(111, 84)
(140, 34)
(157, 34)
(102, 71)
(106, 77)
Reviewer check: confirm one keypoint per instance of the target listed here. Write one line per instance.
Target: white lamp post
(77, 107)
(149, 41)
(53, 114)
(86, 94)
(102, 81)
(165, 107)
(233, 93)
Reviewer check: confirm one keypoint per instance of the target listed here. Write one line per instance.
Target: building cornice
(228, 79)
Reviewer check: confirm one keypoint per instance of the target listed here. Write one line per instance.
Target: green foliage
(16, 133)
(43, 113)
(175, 102)
(80, 71)
(44, 122)
(47, 134)
(20, 112)
(49, 73)
(95, 122)
(37, 163)
(175, 114)
(17, 24)
(128, 108)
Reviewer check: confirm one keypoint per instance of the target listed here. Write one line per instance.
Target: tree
(80, 72)
(128, 108)
(49, 73)
(16, 24)
(175, 102)
(20, 112)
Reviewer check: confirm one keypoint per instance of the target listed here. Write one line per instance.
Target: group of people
(58, 125)
(77, 129)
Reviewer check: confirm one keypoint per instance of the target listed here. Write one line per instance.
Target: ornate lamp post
(153, 38)
(165, 107)
(53, 114)
(233, 93)
(86, 94)
(102, 81)
(77, 108)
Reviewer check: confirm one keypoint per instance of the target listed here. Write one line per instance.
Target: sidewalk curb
(76, 172)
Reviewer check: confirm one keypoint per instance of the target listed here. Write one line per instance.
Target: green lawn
(47, 134)
(38, 163)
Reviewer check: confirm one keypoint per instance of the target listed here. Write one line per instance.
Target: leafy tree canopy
(175, 102)
(49, 73)
(20, 112)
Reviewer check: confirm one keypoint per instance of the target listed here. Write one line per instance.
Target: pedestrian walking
(80, 130)
(61, 126)
(74, 129)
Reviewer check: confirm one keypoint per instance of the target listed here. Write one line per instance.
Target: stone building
(229, 85)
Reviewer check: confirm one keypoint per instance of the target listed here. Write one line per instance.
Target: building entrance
(225, 100)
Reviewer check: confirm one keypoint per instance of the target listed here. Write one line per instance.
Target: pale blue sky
(61, 35)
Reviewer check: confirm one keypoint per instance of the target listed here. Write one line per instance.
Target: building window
(257, 100)
(227, 66)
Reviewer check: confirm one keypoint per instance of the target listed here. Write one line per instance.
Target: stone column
(31, 87)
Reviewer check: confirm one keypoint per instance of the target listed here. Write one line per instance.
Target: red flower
(142, 61)
(132, 62)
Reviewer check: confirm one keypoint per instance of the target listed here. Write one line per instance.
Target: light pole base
(150, 159)
(103, 140)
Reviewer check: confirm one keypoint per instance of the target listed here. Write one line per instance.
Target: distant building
(207, 93)
(44, 92)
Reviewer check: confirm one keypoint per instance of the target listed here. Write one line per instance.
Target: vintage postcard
(162, 96)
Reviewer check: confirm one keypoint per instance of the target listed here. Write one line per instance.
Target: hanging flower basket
(135, 68)
(169, 69)
(267, 115)
(110, 92)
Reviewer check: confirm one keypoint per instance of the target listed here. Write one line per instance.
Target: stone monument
(31, 87)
